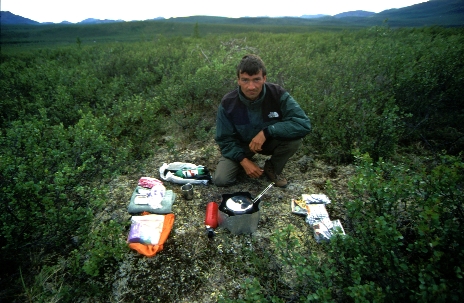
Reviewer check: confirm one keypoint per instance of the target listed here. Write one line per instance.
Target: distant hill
(314, 16)
(10, 18)
(354, 14)
(98, 21)
(432, 12)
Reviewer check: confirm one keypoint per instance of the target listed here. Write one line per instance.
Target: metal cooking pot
(237, 203)
(240, 203)
(239, 213)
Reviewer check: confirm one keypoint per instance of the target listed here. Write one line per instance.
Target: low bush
(72, 117)
(403, 241)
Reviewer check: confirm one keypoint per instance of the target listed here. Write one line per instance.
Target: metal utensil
(262, 193)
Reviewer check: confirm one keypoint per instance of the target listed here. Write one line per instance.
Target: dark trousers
(279, 150)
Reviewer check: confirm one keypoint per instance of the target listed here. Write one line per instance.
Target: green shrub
(103, 247)
(429, 88)
(71, 117)
(191, 96)
(403, 241)
(50, 181)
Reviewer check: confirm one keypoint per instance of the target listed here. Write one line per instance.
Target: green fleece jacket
(239, 120)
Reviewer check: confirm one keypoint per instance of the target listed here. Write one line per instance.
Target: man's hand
(251, 169)
(257, 142)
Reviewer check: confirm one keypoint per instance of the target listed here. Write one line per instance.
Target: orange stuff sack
(150, 250)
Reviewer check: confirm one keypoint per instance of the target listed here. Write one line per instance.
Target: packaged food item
(313, 206)
(325, 229)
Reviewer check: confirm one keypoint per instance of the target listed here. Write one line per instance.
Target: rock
(304, 163)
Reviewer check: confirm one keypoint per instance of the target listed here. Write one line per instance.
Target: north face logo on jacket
(273, 115)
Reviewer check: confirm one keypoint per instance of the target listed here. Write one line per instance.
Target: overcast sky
(128, 10)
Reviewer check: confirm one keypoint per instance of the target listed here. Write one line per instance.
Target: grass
(23, 37)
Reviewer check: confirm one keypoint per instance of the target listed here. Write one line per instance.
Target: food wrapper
(315, 199)
(300, 206)
(146, 229)
(325, 229)
(316, 213)
(313, 207)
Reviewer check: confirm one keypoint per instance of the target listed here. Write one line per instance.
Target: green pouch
(166, 204)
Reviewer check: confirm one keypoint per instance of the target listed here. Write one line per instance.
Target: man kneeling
(257, 117)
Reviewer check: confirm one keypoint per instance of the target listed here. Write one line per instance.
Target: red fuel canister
(211, 218)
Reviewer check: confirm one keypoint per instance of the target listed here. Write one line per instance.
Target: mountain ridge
(432, 12)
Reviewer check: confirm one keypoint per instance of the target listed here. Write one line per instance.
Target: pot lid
(239, 204)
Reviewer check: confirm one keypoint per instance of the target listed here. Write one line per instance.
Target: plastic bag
(167, 173)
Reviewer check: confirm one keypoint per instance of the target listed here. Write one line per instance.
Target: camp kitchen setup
(239, 212)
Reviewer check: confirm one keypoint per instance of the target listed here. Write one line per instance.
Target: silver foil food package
(316, 213)
(315, 198)
(325, 229)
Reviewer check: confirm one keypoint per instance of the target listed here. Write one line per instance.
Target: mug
(187, 191)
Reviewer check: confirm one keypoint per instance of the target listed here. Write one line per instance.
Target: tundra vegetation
(76, 118)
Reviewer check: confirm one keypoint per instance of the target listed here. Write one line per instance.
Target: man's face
(251, 85)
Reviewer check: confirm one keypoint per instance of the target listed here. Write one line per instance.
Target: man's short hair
(251, 64)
